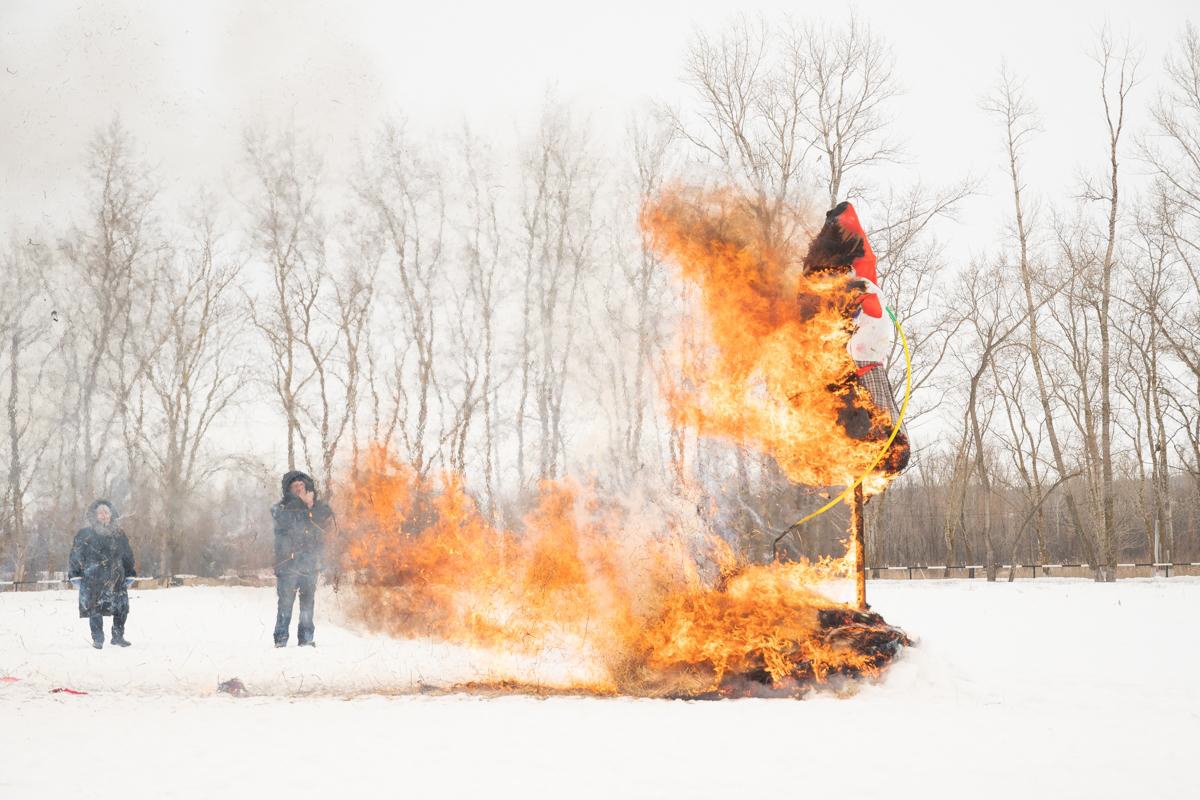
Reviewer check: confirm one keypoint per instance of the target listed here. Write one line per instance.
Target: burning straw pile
(649, 602)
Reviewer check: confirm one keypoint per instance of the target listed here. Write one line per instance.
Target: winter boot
(96, 624)
(118, 631)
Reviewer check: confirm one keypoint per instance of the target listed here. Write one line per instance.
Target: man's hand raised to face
(299, 489)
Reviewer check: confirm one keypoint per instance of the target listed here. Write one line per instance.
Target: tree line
(497, 312)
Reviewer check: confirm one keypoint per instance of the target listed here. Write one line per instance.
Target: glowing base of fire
(823, 647)
(648, 606)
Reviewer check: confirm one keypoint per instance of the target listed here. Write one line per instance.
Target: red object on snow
(8, 679)
(65, 690)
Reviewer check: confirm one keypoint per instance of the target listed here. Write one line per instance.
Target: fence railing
(149, 582)
(911, 572)
(1028, 571)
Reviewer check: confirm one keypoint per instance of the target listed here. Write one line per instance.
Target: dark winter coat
(300, 532)
(102, 558)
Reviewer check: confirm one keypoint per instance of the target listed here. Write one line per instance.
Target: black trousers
(97, 624)
(287, 586)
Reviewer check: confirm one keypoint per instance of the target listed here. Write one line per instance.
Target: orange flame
(649, 608)
(778, 375)
(649, 602)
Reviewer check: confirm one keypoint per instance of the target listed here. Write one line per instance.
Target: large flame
(643, 596)
(778, 377)
(646, 606)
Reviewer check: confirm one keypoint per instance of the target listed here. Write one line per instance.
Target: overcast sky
(187, 77)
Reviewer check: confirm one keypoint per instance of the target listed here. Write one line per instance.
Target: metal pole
(860, 547)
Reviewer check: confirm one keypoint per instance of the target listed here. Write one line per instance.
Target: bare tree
(193, 373)
(1024, 444)
(956, 483)
(912, 268)
(354, 294)
(332, 343)
(287, 232)
(987, 308)
(1174, 154)
(1091, 249)
(108, 260)
(768, 100)
(558, 230)
(404, 194)
(749, 117)
(848, 74)
(1124, 65)
(993, 320)
(1019, 119)
(636, 296)
(483, 256)
(24, 320)
(1147, 368)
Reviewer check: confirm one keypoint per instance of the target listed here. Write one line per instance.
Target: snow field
(1044, 688)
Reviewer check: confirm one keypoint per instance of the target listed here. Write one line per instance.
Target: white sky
(187, 77)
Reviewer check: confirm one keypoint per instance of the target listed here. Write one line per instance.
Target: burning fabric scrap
(648, 602)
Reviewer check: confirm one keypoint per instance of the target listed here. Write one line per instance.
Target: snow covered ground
(1050, 688)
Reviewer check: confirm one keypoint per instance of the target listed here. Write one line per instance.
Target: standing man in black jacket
(101, 565)
(301, 525)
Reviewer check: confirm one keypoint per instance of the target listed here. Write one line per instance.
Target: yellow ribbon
(890, 439)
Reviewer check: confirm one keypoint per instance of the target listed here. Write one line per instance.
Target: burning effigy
(841, 247)
(780, 325)
(650, 601)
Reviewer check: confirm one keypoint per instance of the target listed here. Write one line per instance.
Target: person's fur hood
(89, 517)
(296, 475)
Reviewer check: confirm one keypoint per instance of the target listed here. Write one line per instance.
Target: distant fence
(1028, 571)
(909, 573)
(56, 583)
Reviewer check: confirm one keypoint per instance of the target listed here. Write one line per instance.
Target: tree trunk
(15, 487)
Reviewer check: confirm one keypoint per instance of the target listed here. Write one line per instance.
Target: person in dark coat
(101, 565)
(302, 523)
